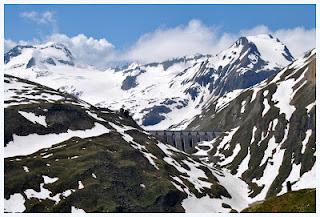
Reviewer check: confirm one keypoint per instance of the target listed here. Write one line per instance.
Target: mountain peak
(58, 46)
(14, 52)
(247, 39)
(272, 49)
(41, 56)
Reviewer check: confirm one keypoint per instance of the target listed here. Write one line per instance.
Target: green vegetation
(295, 201)
(115, 176)
(119, 170)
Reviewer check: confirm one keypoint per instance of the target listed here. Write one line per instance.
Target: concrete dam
(183, 140)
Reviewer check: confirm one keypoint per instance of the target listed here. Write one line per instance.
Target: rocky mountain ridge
(269, 131)
(164, 95)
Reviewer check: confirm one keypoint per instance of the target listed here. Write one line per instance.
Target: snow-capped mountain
(38, 56)
(164, 95)
(269, 131)
(263, 103)
(65, 155)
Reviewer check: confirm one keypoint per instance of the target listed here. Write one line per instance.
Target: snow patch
(203, 148)
(142, 186)
(204, 204)
(44, 193)
(80, 185)
(34, 118)
(271, 171)
(225, 143)
(306, 140)
(26, 169)
(95, 116)
(307, 180)
(47, 156)
(244, 165)
(281, 96)
(76, 210)
(25, 145)
(253, 134)
(48, 180)
(223, 101)
(274, 124)
(243, 106)
(15, 203)
(235, 152)
(310, 106)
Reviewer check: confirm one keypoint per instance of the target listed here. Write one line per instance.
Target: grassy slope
(296, 201)
(123, 180)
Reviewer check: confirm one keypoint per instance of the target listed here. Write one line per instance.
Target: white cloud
(9, 44)
(46, 20)
(195, 37)
(166, 43)
(87, 50)
(261, 29)
(298, 39)
(46, 17)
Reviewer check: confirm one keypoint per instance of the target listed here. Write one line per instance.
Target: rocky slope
(160, 95)
(269, 131)
(65, 155)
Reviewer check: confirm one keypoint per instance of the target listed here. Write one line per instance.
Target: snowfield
(159, 95)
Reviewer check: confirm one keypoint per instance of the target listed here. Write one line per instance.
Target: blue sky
(124, 25)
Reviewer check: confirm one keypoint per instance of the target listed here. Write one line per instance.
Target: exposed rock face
(129, 82)
(270, 131)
